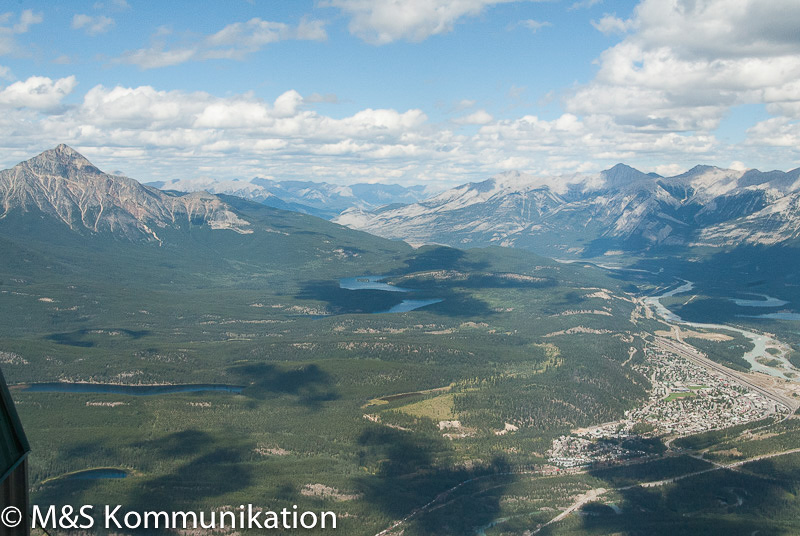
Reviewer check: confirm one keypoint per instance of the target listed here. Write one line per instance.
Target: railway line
(690, 353)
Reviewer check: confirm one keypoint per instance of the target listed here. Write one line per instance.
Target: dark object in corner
(14, 451)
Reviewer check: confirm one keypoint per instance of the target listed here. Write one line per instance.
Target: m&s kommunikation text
(243, 517)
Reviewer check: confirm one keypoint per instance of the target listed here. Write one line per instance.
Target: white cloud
(480, 117)
(156, 57)
(683, 64)
(610, 24)
(5, 73)
(234, 41)
(534, 25)
(37, 92)
(314, 98)
(464, 104)
(311, 30)
(585, 4)
(383, 21)
(24, 22)
(92, 25)
(669, 170)
(776, 132)
(155, 134)
(738, 166)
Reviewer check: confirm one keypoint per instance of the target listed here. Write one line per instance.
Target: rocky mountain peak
(60, 158)
(62, 184)
(622, 175)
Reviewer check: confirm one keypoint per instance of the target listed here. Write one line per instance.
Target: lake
(369, 282)
(97, 474)
(374, 282)
(768, 301)
(409, 305)
(760, 341)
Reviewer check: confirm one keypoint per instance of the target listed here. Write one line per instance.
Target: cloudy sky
(406, 91)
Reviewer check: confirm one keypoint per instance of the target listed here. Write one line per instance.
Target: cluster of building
(685, 399)
(576, 451)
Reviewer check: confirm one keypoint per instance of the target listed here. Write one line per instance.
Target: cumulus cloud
(37, 92)
(480, 117)
(683, 64)
(156, 57)
(155, 134)
(670, 170)
(610, 24)
(383, 21)
(234, 41)
(315, 98)
(737, 165)
(9, 28)
(464, 104)
(776, 131)
(92, 25)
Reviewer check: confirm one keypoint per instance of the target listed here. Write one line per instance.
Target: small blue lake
(767, 301)
(369, 282)
(776, 316)
(409, 305)
(135, 390)
(373, 282)
(97, 474)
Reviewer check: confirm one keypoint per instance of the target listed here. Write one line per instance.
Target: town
(685, 399)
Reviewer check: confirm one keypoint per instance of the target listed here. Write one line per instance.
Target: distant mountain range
(58, 203)
(317, 198)
(620, 209)
(580, 215)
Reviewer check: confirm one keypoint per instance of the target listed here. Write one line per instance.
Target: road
(683, 350)
(691, 354)
(579, 501)
(595, 493)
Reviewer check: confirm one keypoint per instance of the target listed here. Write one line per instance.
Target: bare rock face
(63, 184)
(620, 208)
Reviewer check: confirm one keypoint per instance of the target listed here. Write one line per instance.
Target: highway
(595, 493)
(691, 354)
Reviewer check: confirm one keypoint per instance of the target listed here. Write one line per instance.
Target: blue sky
(419, 91)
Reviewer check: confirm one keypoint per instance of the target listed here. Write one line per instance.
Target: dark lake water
(97, 474)
(777, 316)
(373, 282)
(409, 305)
(369, 282)
(135, 390)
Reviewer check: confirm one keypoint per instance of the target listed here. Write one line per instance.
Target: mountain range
(579, 215)
(316, 198)
(104, 280)
(57, 203)
(620, 209)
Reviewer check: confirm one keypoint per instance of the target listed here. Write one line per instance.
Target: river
(759, 340)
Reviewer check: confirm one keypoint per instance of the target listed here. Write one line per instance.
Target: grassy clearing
(676, 396)
(439, 408)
